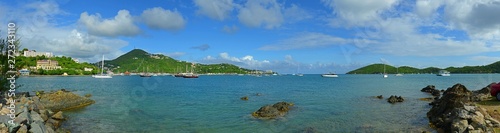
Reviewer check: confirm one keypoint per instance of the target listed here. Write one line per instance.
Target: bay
(212, 103)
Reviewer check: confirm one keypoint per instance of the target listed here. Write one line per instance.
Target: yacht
(102, 75)
(330, 75)
(443, 73)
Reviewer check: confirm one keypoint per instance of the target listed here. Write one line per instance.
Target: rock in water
(395, 99)
(63, 100)
(244, 98)
(428, 88)
(272, 111)
(380, 97)
(447, 113)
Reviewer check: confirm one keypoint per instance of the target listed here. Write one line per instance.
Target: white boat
(385, 74)
(330, 75)
(102, 75)
(397, 71)
(300, 74)
(443, 73)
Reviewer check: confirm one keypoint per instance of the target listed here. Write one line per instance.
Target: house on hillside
(47, 65)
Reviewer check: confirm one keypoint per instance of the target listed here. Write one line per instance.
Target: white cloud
(159, 18)
(426, 8)
(306, 40)
(478, 18)
(121, 25)
(485, 59)
(40, 30)
(246, 61)
(265, 13)
(215, 9)
(359, 12)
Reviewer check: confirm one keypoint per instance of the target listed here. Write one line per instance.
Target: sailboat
(385, 74)
(191, 74)
(102, 75)
(397, 71)
(146, 74)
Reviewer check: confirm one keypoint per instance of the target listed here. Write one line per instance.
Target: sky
(294, 36)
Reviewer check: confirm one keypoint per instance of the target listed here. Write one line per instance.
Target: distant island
(379, 68)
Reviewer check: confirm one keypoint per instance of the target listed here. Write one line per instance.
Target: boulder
(58, 116)
(23, 118)
(272, 111)
(54, 123)
(395, 99)
(380, 97)
(428, 88)
(482, 94)
(432, 90)
(36, 117)
(63, 100)
(38, 127)
(3, 128)
(23, 129)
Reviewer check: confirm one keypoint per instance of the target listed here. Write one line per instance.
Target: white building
(87, 69)
(34, 54)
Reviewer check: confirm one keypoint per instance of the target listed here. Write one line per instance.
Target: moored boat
(330, 75)
(443, 73)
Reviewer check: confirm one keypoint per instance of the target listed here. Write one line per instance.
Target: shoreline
(42, 112)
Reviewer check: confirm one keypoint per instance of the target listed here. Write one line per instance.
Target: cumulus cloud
(201, 47)
(246, 61)
(215, 9)
(39, 30)
(359, 12)
(121, 25)
(478, 18)
(159, 18)
(306, 40)
(257, 13)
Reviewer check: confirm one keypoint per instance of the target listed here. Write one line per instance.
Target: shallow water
(212, 104)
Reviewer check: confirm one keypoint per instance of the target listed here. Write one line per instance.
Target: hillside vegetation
(379, 68)
(137, 61)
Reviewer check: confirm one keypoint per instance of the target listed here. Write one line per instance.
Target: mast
(102, 66)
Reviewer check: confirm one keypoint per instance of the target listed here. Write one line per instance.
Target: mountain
(138, 60)
(379, 68)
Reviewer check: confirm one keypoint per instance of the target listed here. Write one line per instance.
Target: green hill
(138, 60)
(379, 68)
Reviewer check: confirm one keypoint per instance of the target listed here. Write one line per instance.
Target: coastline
(42, 112)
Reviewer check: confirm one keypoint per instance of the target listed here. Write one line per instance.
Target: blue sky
(285, 36)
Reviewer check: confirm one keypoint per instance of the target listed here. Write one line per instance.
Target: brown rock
(245, 98)
(55, 123)
(58, 116)
(23, 129)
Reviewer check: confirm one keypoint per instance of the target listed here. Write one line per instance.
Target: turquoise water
(212, 104)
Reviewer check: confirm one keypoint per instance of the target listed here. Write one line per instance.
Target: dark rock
(244, 98)
(395, 99)
(58, 116)
(428, 88)
(88, 95)
(272, 111)
(482, 94)
(431, 89)
(258, 94)
(380, 97)
(453, 98)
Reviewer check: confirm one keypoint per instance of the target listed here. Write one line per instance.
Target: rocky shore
(42, 113)
(457, 111)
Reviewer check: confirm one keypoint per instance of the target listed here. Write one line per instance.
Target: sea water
(212, 103)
